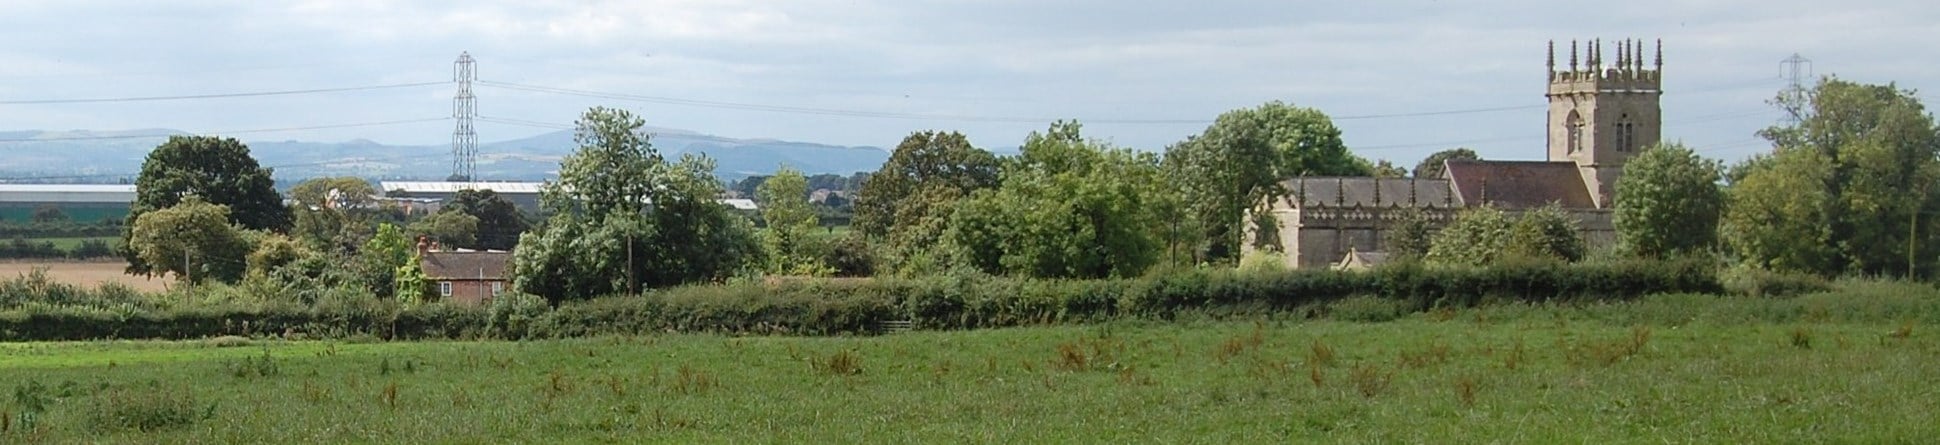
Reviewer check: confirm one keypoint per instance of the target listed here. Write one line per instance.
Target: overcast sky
(868, 72)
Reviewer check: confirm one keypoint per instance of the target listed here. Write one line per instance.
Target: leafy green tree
(1669, 202)
(216, 170)
(624, 218)
(499, 220)
(274, 251)
(334, 192)
(334, 214)
(1067, 208)
(923, 175)
(1849, 189)
(1386, 169)
(791, 224)
(193, 240)
(1240, 161)
(1546, 232)
(1478, 236)
(413, 285)
(455, 229)
(1410, 237)
(1435, 165)
(377, 261)
(907, 203)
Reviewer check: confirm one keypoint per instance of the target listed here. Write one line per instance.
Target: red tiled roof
(1520, 184)
(466, 265)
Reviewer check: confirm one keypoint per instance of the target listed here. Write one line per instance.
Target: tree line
(1844, 191)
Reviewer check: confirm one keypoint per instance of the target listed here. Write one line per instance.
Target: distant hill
(95, 156)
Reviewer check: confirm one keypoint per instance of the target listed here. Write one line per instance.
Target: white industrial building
(525, 195)
(81, 202)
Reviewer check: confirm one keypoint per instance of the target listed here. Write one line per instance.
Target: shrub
(1754, 282)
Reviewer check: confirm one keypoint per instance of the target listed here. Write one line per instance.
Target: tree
(623, 218)
(925, 168)
(499, 220)
(340, 192)
(334, 214)
(1068, 207)
(49, 214)
(1478, 236)
(1410, 237)
(377, 261)
(275, 251)
(1386, 169)
(1240, 161)
(216, 170)
(790, 224)
(1849, 189)
(193, 240)
(1668, 202)
(1435, 166)
(907, 203)
(1546, 232)
(455, 229)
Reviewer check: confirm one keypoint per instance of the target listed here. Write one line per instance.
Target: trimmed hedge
(859, 306)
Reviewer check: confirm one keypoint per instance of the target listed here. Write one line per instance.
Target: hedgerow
(43, 311)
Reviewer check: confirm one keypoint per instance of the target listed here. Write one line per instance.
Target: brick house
(469, 277)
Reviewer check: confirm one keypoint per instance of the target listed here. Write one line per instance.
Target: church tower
(1601, 113)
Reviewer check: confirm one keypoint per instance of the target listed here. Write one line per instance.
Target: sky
(1402, 78)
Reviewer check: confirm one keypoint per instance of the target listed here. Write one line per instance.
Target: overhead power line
(276, 166)
(216, 95)
(946, 117)
(218, 133)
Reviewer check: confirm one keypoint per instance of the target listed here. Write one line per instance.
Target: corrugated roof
(68, 193)
(1333, 191)
(454, 187)
(466, 265)
(1520, 184)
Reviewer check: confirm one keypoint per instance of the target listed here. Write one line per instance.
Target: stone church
(1601, 112)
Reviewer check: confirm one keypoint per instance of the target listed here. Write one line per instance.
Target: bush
(34, 308)
(1754, 282)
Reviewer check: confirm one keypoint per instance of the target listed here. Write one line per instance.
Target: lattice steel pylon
(1795, 70)
(464, 107)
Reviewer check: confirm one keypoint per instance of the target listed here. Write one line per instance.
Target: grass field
(1518, 374)
(70, 243)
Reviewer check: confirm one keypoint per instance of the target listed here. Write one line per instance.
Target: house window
(498, 288)
(444, 288)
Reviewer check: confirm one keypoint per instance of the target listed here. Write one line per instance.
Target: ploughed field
(1511, 373)
(84, 273)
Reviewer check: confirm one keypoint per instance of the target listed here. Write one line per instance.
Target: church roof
(1520, 184)
(1335, 191)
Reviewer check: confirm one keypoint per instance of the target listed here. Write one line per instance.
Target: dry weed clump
(688, 380)
(1435, 354)
(1239, 345)
(1465, 391)
(841, 363)
(1085, 354)
(1801, 338)
(1606, 353)
(1369, 380)
(1320, 354)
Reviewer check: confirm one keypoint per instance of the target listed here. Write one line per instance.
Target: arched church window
(1626, 133)
(1574, 124)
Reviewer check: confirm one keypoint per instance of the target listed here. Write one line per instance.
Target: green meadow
(1849, 366)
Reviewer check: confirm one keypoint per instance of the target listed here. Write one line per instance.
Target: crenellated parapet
(1627, 73)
